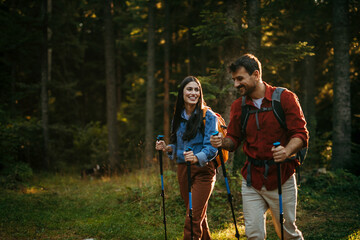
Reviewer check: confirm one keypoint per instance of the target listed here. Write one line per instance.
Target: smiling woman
(197, 177)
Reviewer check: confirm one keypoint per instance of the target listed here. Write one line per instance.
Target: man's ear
(256, 74)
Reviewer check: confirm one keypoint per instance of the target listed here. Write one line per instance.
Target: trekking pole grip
(276, 144)
(221, 156)
(159, 138)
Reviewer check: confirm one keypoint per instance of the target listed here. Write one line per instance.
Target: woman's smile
(191, 93)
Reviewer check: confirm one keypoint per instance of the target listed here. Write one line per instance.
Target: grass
(129, 207)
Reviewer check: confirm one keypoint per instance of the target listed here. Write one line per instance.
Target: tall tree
(341, 151)
(150, 87)
(45, 77)
(111, 109)
(253, 37)
(231, 51)
(167, 72)
(309, 96)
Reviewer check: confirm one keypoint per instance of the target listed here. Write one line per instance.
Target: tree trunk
(341, 151)
(253, 41)
(150, 87)
(167, 78)
(45, 76)
(292, 76)
(203, 60)
(230, 51)
(111, 110)
(309, 99)
(119, 77)
(188, 51)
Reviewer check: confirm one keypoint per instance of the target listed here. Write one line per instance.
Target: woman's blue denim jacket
(200, 144)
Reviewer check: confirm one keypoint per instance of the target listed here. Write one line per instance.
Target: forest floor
(130, 207)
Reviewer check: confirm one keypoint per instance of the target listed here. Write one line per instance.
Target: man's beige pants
(256, 203)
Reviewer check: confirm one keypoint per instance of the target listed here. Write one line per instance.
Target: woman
(188, 130)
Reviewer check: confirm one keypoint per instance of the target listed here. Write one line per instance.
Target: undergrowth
(130, 207)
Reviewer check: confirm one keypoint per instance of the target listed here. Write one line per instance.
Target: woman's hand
(190, 157)
(161, 146)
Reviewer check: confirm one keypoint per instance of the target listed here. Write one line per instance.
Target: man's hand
(216, 141)
(279, 153)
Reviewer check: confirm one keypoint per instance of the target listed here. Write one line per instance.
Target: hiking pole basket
(276, 144)
(237, 235)
(188, 165)
(161, 137)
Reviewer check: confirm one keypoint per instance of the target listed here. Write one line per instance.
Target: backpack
(221, 125)
(279, 115)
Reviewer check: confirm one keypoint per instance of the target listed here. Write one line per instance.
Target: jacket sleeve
(171, 155)
(208, 152)
(234, 127)
(295, 119)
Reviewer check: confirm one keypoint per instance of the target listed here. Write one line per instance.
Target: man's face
(244, 82)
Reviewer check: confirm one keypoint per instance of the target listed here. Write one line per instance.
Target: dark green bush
(15, 174)
(20, 146)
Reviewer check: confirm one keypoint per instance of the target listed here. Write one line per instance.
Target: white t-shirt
(257, 102)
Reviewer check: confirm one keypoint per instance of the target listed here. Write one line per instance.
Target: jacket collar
(268, 93)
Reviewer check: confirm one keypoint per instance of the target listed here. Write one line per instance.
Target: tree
(253, 38)
(150, 86)
(167, 72)
(341, 150)
(111, 109)
(45, 78)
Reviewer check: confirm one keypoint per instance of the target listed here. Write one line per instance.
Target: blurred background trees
(88, 82)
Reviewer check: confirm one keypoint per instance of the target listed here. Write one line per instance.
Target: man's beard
(246, 91)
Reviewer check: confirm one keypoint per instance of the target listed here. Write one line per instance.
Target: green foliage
(211, 89)
(332, 202)
(19, 145)
(216, 28)
(90, 145)
(283, 53)
(130, 207)
(204, 35)
(15, 174)
(338, 182)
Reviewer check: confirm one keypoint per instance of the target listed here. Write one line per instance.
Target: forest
(92, 83)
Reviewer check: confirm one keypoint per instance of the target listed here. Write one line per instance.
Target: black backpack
(280, 116)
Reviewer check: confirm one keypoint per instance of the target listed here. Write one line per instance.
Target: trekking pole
(276, 144)
(161, 137)
(237, 235)
(188, 165)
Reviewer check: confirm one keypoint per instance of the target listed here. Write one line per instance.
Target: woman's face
(191, 93)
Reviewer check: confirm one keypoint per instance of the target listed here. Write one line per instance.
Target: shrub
(15, 174)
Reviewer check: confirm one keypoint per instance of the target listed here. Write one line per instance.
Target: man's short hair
(249, 62)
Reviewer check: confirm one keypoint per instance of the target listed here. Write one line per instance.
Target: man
(259, 188)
